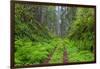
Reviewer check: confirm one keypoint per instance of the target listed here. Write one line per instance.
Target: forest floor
(54, 52)
(69, 53)
(51, 54)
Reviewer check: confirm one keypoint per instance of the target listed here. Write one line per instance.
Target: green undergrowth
(82, 56)
(28, 52)
(79, 51)
(58, 54)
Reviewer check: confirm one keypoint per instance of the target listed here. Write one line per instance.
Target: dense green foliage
(40, 31)
(78, 52)
(82, 36)
(58, 54)
(29, 52)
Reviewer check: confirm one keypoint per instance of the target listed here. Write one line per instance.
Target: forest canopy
(53, 34)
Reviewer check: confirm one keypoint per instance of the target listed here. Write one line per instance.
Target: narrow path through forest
(49, 57)
(65, 60)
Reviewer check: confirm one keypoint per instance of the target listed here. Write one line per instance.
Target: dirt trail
(49, 57)
(51, 54)
(65, 56)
